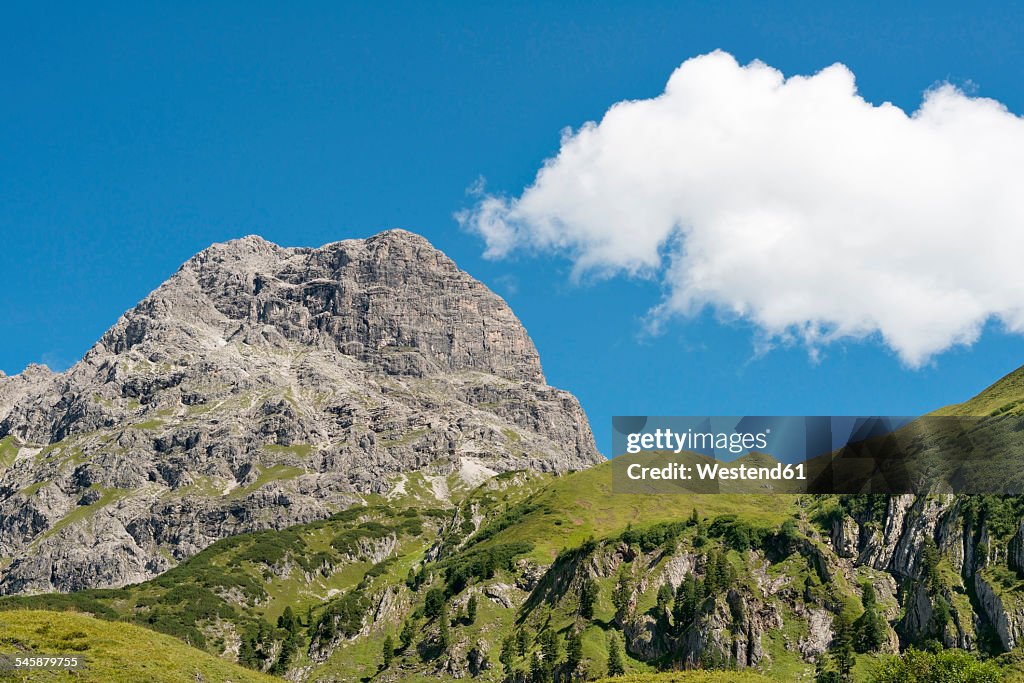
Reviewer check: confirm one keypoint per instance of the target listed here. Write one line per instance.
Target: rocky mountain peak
(262, 386)
(392, 300)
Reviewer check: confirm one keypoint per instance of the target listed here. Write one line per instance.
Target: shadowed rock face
(260, 387)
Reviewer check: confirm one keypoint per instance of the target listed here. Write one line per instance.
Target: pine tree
(522, 641)
(693, 518)
(824, 672)
(549, 646)
(870, 630)
(941, 615)
(699, 539)
(842, 646)
(679, 604)
(616, 667)
(623, 593)
(471, 608)
(444, 634)
(689, 597)
(588, 598)
(291, 626)
(574, 650)
(407, 634)
(507, 656)
(389, 650)
(538, 672)
(287, 620)
(433, 603)
(729, 572)
(711, 572)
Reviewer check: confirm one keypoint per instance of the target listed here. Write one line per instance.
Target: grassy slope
(576, 506)
(1006, 395)
(114, 652)
(563, 512)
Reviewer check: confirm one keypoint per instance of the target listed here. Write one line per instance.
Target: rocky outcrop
(980, 593)
(261, 387)
(845, 537)
(1004, 613)
(1015, 551)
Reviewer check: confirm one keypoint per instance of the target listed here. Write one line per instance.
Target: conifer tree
(842, 646)
(870, 631)
(574, 650)
(616, 667)
(539, 673)
(389, 650)
(588, 598)
(623, 593)
(549, 646)
(407, 634)
(507, 656)
(444, 634)
(522, 641)
(287, 620)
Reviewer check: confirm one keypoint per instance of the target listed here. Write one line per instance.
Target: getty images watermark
(818, 454)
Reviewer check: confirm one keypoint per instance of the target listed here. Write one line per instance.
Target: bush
(269, 548)
(344, 615)
(944, 666)
(347, 542)
(480, 564)
(655, 536)
(379, 569)
(739, 534)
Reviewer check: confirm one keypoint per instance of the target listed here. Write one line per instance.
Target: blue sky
(131, 138)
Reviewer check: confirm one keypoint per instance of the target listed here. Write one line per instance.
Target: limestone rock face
(261, 387)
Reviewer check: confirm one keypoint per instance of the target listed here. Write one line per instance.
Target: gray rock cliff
(261, 387)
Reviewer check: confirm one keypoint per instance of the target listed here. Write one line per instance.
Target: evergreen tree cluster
(692, 591)
(871, 631)
(544, 658)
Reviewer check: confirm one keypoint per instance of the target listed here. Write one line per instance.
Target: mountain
(261, 387)
(429, 563)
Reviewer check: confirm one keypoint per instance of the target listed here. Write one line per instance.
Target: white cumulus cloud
(791, 203)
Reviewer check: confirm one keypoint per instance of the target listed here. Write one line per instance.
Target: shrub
(345, 615)
(655, 536)
(739, 534)
(480, 564)
(944, 666)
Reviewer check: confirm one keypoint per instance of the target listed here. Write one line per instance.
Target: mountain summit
(261, 387)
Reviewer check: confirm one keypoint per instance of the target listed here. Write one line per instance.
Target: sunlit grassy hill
(113, 652)
(1004, 396)
(358, 571)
